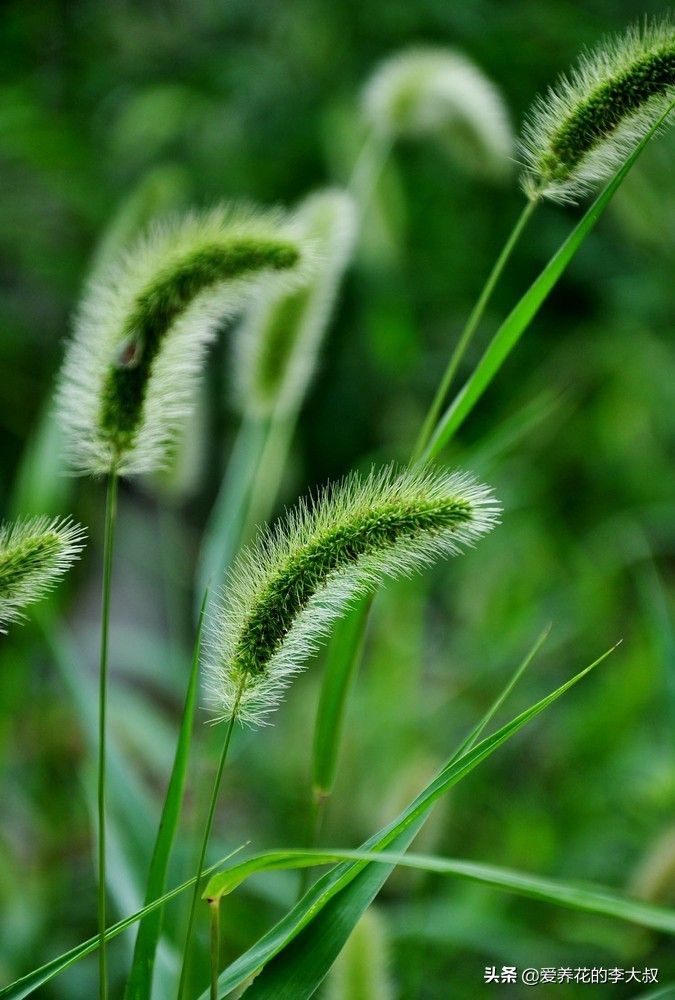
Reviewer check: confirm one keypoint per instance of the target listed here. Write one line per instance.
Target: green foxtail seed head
(33, 555)
(439, 92)
(286, 590)
(581, 130)
(130, 371)
(280, 335)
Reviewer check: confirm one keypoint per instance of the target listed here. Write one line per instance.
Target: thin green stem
(435, 410)
(205, 843)
(214, 907)
(109, 540)
(470, 328)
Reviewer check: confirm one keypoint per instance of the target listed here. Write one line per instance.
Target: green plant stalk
(139, 984)
(335, 881)
(109, 541)
(436, 433)
(470, 328)
(520, 317)
(214, 909)
(32, 981)
(330, 930)
(342, 664)
(467, 744)
(202, 851)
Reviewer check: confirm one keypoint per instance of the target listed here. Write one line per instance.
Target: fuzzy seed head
(439, 92)
(280, 336)
(33, 555)
(130, 371)
(582, 129)
(286, 590)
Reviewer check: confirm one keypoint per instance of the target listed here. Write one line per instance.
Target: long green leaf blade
(588, 898)
(139, 983)
(475, 733)
(33, 980)
(524, 312)
(397, 835)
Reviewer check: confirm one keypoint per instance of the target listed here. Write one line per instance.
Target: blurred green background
(188, 103)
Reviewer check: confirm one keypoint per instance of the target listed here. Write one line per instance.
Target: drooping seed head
(33, 555)
(130, 371)
(280, 336)
(580, 131)
(439, 92)
(287, 589)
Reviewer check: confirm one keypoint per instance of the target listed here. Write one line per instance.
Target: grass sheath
(109, 541)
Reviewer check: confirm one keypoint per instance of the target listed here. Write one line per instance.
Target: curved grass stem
(202, 852)
(109, 540)
(470, 328)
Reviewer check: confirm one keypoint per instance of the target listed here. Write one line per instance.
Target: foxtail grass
(438, 93)
(34, 554)
(143, 327)
(132, 367)
(581, 130)
(288, 588)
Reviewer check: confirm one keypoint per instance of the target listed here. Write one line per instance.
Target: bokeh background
(187, 103)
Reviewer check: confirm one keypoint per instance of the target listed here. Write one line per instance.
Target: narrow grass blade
(340, 669)
(475, 733)
(524, 312)
(589, 898)
(33, 980)
(305, 961)
(139, 983)
(518, 428)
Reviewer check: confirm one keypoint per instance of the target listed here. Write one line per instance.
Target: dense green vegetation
(113, 112)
